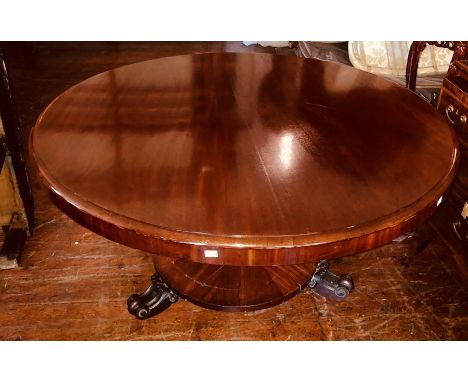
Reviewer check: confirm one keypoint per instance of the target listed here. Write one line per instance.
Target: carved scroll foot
(155, 299)
(329, 285)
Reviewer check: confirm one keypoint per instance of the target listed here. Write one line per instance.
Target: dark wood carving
(330, 285)
(255, 166)
(154, 300)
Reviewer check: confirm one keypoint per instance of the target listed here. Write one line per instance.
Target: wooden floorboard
(73, 284)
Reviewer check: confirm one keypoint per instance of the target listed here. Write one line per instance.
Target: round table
(239, 172)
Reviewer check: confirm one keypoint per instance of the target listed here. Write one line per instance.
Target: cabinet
(16, 203)
(451, 221)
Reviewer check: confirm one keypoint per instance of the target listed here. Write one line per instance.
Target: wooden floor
(73, 284)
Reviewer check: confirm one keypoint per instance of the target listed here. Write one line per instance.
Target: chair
(389, 59)
(460, 49)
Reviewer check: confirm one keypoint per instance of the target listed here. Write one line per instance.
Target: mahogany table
(239, 172)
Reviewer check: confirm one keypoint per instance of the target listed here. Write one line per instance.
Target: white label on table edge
(211, 253)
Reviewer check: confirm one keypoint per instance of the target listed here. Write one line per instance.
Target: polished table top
(246, 152)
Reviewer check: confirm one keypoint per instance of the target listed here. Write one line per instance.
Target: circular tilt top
(251, 159)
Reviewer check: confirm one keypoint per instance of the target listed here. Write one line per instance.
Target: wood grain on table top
(245, 151)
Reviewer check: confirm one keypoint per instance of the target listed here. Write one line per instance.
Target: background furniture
(389, 59)
(16, 203)
(420, 48)
(451, 221)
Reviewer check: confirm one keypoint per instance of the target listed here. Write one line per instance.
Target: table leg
(233, 288)
(155, 299)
